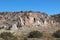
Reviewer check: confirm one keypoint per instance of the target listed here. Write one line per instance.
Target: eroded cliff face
(25, 21)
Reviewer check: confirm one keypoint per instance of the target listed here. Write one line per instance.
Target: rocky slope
(24, 22)
(56, 17)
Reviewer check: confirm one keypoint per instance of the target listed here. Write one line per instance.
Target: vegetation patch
(35, 34)
(8, 36)
(56, 34)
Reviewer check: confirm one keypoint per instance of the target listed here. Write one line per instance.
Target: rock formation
(14, 21)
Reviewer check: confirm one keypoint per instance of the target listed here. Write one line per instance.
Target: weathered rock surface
(23, 22)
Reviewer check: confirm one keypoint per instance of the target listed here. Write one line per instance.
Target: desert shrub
(35, 34)
(56, 34)
(8, 36)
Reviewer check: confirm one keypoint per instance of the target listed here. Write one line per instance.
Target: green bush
(56, 34)
(35, 34)
(8, 36)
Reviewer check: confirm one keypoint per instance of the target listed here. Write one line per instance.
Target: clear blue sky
(47, 6)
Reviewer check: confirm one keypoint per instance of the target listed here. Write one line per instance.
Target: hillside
(21, 23)
(18, 20)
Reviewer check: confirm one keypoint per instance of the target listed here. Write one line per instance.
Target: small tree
(35, 34)
(56, 34)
